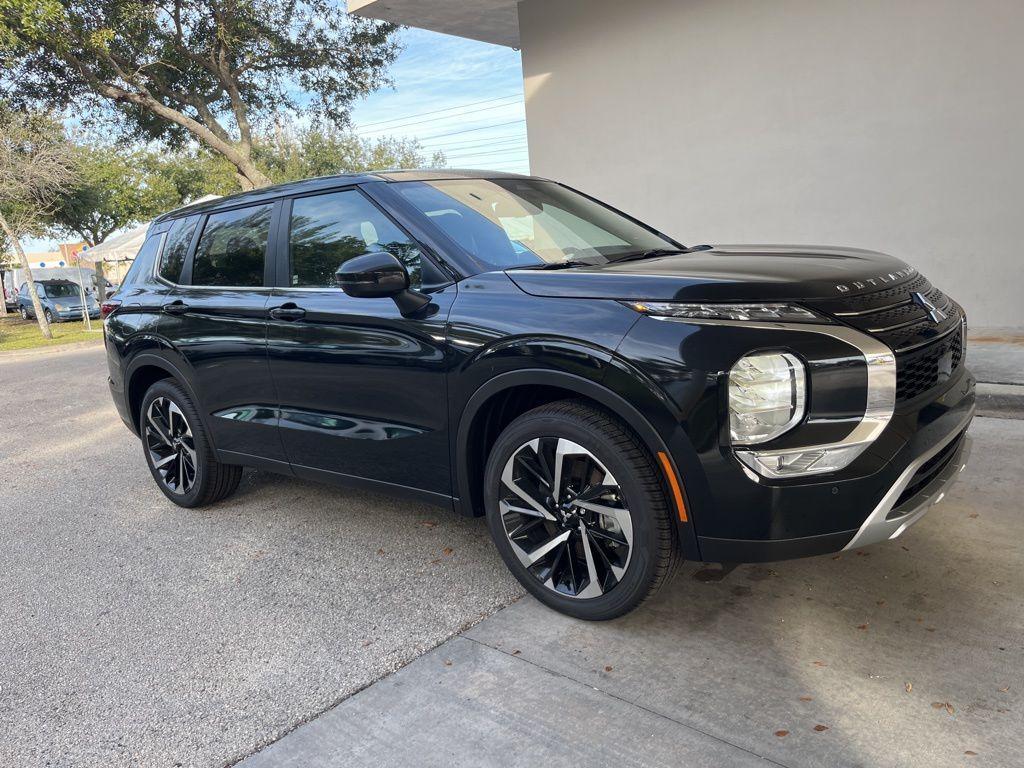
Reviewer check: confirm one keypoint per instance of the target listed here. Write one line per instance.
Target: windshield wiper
(650, 253)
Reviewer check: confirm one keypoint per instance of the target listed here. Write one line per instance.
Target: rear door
(362, 388)
(214, 314)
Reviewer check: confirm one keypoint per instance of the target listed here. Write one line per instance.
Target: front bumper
(922, 485)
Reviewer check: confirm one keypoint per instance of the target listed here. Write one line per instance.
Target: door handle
(178, 307)
(288, 312)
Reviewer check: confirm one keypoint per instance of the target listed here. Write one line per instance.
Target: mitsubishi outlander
(611, 399)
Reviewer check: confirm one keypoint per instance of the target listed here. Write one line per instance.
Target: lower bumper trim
(887, 521)
(714, 550)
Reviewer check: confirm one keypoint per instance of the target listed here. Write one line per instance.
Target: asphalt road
(133, 632)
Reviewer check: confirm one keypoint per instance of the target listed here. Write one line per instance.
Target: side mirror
(380, 275)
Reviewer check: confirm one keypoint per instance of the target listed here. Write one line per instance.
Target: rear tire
(178, 451)
(577, 509)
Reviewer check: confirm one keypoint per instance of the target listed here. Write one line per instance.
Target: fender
(159, 359)
(593, 388)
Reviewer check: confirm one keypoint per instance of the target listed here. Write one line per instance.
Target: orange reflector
(673, 483)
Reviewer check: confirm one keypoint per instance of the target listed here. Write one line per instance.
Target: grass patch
(16, 333)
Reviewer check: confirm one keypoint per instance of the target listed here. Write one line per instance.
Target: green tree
(206, 70)
(114, 190)
(292, 153)
(36, 164)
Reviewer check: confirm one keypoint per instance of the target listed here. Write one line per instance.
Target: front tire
(177, 450)
(578, 512)
(48, 315)
(24, 313)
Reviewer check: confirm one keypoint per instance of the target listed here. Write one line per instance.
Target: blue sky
(474, 92)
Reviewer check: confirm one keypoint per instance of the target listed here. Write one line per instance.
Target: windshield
(60, 290)
(525, 222)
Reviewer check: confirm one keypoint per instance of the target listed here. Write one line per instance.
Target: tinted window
(328, 230)
(143, 263)
(178, 238)
(232, 248)
(59, 290)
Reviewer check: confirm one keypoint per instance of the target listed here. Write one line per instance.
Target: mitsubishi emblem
(935, 314)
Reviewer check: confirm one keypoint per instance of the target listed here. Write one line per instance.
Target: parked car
(60, 300)
(611, 399)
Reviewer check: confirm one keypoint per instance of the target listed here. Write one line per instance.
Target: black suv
(503, 345)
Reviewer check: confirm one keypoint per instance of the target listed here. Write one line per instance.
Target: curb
(11, 354)
(1000, 401)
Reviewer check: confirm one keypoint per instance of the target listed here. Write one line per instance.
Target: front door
(361, 388)
(214, 315)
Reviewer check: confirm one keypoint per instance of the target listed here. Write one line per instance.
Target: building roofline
(490, 21)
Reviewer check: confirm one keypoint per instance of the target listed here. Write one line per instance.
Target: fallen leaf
(862, 553)
(949, 708)
(970, 753)
(380, 551)
(447, 551)
(806, 698)
(447, 662)
(909, 687)
(929, 629)
(881, 602)
(607, 669)
(904, 548)
(938, 704)
(516, 652)
(782, 734)
(428, 523)
(973, 515)
(837, 557)
(820, 664)
(1004, 690)
(436, 561)
(862, 626)
(820, 728)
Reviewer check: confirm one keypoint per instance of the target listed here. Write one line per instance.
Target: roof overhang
(492, 21)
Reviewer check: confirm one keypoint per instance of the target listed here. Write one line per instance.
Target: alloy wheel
(24, 313)
(171, 446)
(565, 517)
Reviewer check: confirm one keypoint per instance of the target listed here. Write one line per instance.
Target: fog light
(800, 461)
(767, 395)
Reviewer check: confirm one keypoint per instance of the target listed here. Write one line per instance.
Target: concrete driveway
(133, 632)
(136, 633)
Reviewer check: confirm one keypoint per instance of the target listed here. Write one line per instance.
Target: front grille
(920, 370)
(929, 471)
(927, 353)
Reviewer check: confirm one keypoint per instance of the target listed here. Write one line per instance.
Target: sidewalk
(904, 654)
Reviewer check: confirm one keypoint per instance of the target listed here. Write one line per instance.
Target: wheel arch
(501, 399)
(144, 371)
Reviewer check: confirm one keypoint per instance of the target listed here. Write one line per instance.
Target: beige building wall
(896, 125)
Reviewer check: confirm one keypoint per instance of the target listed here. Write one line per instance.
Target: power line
(464, 143)
(485, 154)
(470, 130)
(442, 117)
(482, 149)
(445, 109)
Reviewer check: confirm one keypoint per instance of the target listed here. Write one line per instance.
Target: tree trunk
(37, 307)
(101, 282)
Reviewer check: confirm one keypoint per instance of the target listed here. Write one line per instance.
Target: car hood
(725, 273)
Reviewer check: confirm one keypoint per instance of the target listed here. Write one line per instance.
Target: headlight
(784, 312)
(59, 307)
(767, 396)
